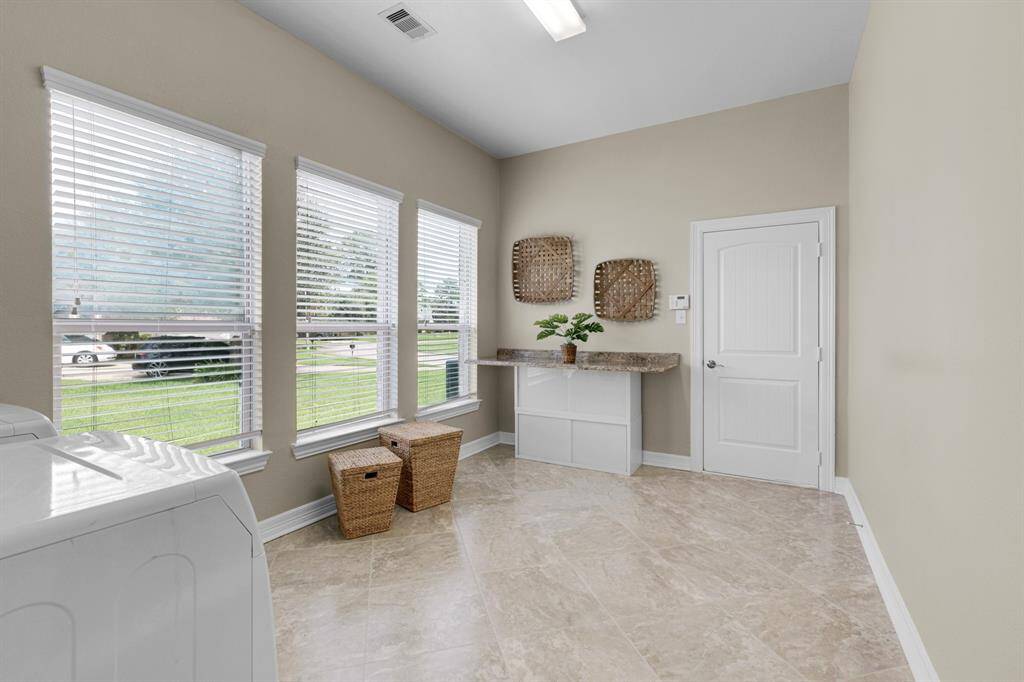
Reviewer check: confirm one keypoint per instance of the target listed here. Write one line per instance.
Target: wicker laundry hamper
(365, 484)
(430, 453)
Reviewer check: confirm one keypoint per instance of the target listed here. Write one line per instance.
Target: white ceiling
(493, 75)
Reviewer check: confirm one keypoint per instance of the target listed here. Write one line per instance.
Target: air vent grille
(408, 23)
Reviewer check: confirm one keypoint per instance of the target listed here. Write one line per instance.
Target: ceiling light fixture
(559, 17)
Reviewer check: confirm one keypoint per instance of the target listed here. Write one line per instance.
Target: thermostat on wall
(678, 302)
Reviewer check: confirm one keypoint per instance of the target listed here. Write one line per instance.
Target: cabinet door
(600, 446)
(544, 438)
(543, 390)
(600, 394)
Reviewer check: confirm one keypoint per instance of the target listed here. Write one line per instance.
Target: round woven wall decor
(625, 289)
(542, 269)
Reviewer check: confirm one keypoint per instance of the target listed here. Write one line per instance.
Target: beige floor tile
(503, 544)
(538, 598)
(658, 525)
(321, 533)
(473, 663)
(429, 614)
(748, 489)
(537, 502)
(525, 475)
(717, 573)
(703, 643)
(635, 584)
(710, 577)
(505, 508)
(589, 533)
(416, 556)
(818, 639)
(901, 674)
(437, 519)
(859, 597)
(811, 558)
(488, 487)
(811, 565)
(804, 507)
(320, 630)
(500, 452)
(593, 653)
(478, 464)
(353, 674)
(336, 563)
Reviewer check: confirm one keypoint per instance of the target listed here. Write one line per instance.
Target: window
(446, 305)
(156, 271)
(346, 298)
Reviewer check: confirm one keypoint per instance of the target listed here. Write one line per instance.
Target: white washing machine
(123, 558)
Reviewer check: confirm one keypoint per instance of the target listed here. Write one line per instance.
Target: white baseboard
(668, 460)
(479, 445)
(294, 519)
(910, 639)
(507, 437)
(311, 512)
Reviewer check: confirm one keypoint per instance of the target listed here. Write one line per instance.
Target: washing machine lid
(61, 487)
(20, 423)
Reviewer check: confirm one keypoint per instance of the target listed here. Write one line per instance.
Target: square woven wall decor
(542, 269)
(625, 289)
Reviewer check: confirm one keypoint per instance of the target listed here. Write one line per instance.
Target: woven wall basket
(625, 289)
(542, 269)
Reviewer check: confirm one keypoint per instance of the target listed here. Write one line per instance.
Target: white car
(78, 349)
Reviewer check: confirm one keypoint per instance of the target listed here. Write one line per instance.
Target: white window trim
(452, 408)
(469, 401)
(448, 213)
(54, 79)
(318, 441)
(246, 461)
(304, 164)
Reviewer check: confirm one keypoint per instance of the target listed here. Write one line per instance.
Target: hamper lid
(418, 433)
(355, 461)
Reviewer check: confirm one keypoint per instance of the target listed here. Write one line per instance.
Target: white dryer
(123, 558)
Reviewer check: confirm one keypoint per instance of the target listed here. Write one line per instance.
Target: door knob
(712, 364)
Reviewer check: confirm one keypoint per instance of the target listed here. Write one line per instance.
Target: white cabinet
(583, 418)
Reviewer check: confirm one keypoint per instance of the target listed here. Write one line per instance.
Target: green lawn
(184, 409)
(181, 410)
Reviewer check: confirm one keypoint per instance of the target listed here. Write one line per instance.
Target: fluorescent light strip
(559, 17)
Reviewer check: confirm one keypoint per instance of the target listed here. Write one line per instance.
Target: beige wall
(935, 298)
(222, 64)
(634, 195)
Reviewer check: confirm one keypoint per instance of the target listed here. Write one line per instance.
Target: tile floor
(540, 572)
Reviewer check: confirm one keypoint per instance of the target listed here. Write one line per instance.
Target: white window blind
(346, 298)
(446, 305)
(156, 272)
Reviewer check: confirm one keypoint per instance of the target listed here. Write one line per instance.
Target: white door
(761, 357)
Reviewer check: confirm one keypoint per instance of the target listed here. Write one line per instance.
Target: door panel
(760, 308)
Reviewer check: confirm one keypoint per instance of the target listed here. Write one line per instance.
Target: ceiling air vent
(408, 23)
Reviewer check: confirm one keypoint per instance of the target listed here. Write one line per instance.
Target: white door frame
(826, 219)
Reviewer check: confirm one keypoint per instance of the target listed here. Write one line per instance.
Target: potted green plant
(576, 329)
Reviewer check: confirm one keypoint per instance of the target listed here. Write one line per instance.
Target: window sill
(318, 442)
(450, 409)
(244, 461)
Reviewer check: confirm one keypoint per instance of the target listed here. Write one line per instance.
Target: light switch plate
(678, 302)
(680, 317)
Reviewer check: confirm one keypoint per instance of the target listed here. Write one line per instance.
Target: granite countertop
(606, 361)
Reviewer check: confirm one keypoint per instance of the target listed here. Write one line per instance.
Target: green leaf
(581, 317)
(583, 337)
(560, 318)
(545, 334)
